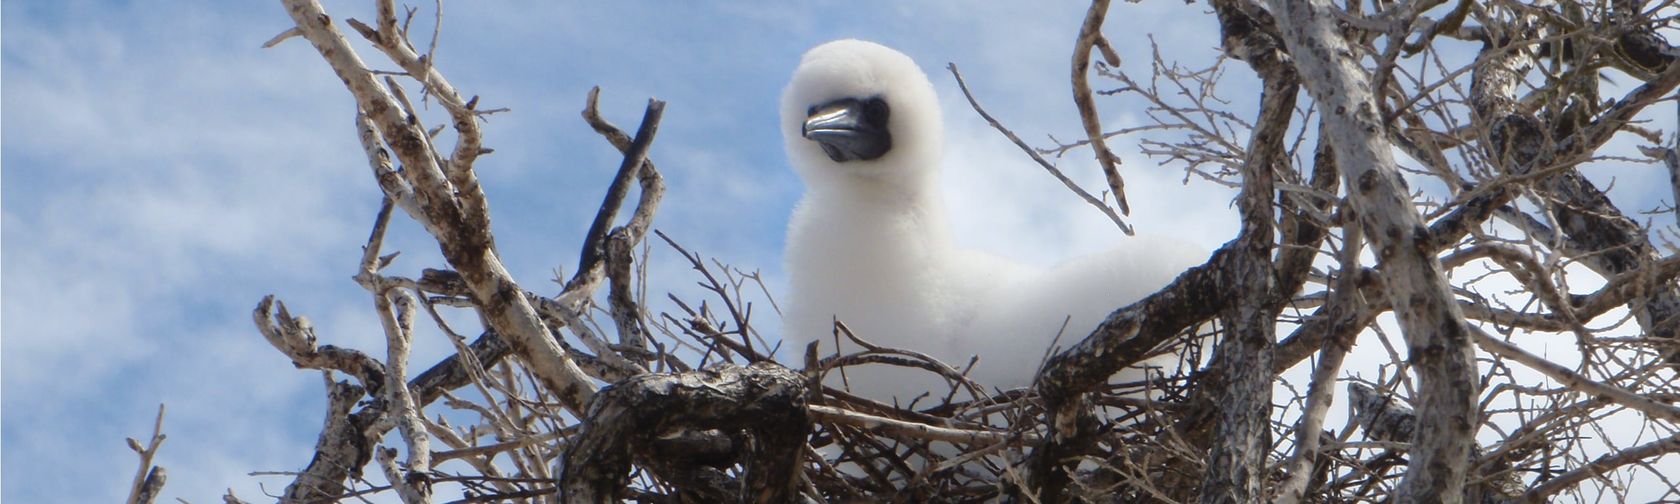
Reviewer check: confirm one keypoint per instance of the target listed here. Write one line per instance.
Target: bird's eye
(876, 109)
(811, 111)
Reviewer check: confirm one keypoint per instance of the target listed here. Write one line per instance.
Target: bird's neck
(877, 259)
(857, 229)
(862, 216)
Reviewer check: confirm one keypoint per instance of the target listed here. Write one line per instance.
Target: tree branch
(764, 399)
(1438, 343)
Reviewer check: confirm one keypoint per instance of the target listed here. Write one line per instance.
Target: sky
(162, 173)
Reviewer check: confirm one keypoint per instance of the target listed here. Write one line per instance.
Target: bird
(870, 244)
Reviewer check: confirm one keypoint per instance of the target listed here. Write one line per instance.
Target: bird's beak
(845, 132)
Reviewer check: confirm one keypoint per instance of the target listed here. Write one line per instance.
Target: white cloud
(148, 206)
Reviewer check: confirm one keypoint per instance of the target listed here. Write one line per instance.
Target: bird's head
(861, 111)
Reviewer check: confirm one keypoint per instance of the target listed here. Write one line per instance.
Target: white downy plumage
(869, 244)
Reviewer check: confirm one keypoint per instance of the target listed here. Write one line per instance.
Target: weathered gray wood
(1236, 463)
(340, 452)
(1439, 345)
(460, 226)
(764, 402)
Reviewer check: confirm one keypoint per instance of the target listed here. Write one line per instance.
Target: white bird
(869, 244)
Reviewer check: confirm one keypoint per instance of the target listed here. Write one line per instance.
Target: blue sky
(162, 173)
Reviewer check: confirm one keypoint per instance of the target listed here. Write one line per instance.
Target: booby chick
(869, 243)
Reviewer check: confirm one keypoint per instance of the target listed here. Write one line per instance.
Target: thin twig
(1090, 34)
(1092, 200)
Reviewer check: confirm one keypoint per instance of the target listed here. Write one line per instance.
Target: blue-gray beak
(849, 129)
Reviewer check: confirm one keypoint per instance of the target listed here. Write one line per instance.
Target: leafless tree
(1412, 166)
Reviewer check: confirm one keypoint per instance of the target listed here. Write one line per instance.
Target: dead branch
(764, 400)
(149, 480)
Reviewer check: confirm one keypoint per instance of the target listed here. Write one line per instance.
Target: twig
(289, 33)
(148, 481)
(1090, 34)
(1643, 404)
(1321, 391)
(914, 429)
(396, 311)
(1601, 465)
(742, 325)
(594, 252)
(1092, 200)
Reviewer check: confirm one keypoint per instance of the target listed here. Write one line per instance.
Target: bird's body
(870, 243)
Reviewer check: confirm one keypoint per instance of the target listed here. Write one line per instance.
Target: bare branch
(765, 399)
(1090, 32)
(149, 480)
(1643, 404)
(1048, 167)
(1435, 330)
(466, 243)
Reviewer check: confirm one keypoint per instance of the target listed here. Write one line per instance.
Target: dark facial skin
(850, 128)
